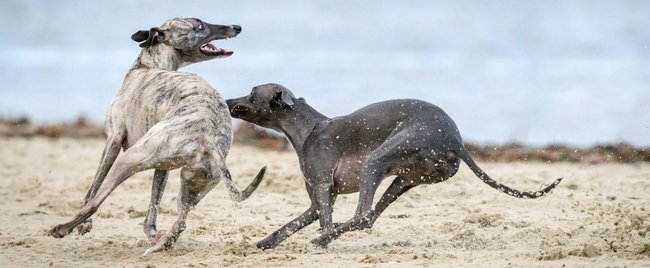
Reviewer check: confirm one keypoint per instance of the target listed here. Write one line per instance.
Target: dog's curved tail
(465, 156)
(235, 194)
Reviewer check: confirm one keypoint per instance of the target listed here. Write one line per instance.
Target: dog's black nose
(237, 28)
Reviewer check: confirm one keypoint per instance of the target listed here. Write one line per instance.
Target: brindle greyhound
(164, 119)
(413, 139)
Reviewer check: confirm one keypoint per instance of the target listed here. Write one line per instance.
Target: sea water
(536, 72)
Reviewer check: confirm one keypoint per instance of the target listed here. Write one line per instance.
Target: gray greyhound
(413, 139)
(163, 120)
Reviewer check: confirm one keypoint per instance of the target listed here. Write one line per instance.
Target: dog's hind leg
(133, 160)
(157, 188)
(111, 150)
(399, 186)
(195, 184)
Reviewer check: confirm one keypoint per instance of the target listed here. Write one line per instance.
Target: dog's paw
(267, 243)
(85, 227)
(271, 241)
(58, 231)
(154, 240)
(158, 245)
(152, 232)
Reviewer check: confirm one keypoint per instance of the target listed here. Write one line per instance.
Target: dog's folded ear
(150, 37)
(283, 98)
(140, 36)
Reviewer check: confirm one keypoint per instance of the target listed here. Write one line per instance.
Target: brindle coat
(163, 120)
(412, 139)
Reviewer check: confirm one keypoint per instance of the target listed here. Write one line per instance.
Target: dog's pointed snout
(230, 103)
(237, 28)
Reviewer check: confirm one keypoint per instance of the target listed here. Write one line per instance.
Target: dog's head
(189, 37)
(265, 105)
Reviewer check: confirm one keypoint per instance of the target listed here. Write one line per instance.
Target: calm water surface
(537, 72)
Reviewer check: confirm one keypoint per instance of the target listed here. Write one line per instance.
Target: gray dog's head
(265, 105)
(189, 37)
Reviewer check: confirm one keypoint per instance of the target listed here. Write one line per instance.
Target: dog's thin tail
(464, 154)
(235, 194)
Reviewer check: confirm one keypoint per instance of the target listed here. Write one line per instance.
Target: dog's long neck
(299, 124)
(160, 56)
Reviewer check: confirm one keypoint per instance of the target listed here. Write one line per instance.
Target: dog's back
(150, 96)
(368, 127)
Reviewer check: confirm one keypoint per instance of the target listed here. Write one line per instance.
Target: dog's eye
(201, 27)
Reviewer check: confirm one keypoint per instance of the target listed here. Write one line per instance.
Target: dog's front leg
(157, 188)
(295, 225)
(372, 172)
(324, 200)
(398, 187)
(274, 239)
(318, 166)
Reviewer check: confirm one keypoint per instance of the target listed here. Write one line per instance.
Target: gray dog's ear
(150, 37)
(283, 97)
(140, 36)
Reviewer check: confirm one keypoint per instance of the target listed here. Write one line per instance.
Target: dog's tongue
(211, 49)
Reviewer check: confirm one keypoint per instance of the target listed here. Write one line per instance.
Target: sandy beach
(598, 216)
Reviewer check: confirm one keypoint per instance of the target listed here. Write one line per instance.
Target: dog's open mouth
(238, 109)
(212, 51)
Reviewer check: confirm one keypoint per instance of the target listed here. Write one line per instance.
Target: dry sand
(598, 216)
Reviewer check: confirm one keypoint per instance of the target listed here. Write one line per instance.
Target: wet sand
(598, 216)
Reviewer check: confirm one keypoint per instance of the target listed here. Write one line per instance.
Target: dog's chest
(346, 174)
